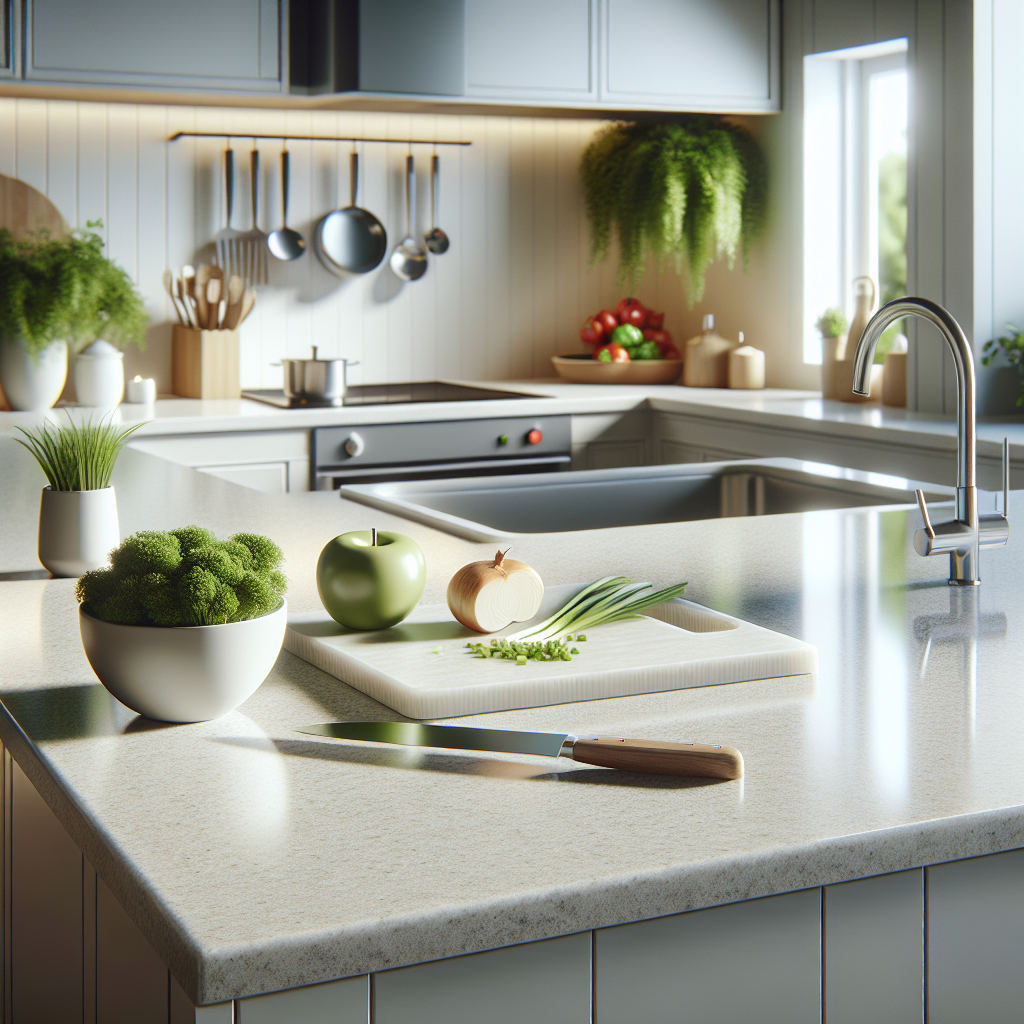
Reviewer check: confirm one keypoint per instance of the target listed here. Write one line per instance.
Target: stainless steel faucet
(960, 538)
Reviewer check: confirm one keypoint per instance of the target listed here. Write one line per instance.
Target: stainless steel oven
(432, 450)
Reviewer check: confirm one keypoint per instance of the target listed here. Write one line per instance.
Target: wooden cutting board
(422, 669)
(25, 210)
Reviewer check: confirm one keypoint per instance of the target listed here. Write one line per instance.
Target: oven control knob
(354, 445)
(534, 436)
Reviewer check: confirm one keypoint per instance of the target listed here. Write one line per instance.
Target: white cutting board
(673, 646)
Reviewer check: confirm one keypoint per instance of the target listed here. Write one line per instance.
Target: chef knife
(702, 760)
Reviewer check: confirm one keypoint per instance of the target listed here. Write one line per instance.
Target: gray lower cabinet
(230, 44)
(540, 982)
(744, 962)
(874, 949)
(976, 940)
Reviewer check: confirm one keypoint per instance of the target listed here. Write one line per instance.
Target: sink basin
(491, 508)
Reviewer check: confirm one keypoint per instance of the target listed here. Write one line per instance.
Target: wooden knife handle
(699, 760)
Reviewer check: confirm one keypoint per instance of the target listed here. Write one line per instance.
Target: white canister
(33, 383)
(77, 530)
(99, 376)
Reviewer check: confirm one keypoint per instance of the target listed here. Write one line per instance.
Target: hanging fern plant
(689, 192)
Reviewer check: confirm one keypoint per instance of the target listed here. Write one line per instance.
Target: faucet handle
(1006, 477)
(928, 528)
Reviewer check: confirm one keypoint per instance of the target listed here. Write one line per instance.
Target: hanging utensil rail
(314, 138)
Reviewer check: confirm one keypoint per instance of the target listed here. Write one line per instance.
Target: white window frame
(840, 171)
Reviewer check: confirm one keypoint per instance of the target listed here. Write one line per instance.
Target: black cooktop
(390, 394)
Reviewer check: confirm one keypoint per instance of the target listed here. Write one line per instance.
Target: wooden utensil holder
(204, 364)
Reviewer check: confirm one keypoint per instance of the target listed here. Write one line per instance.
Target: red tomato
(592, 331)
(608, 320)
(632, 311)
(661, 338)
(655, 320)
(613, 353)
(670, 352)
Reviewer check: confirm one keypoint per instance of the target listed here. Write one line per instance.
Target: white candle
(140, 392)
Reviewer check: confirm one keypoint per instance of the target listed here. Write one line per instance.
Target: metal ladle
(409, 260)
(436, 239)
(284, 243)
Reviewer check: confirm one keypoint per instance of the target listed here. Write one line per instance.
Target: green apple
(370, 579)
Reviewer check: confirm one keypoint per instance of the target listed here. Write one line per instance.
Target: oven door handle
(439, 467)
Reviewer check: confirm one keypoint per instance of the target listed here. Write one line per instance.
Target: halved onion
(487, 596)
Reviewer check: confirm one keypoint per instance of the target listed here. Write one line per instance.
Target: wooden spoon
(236, 292)
(202, 279)
(213, 303)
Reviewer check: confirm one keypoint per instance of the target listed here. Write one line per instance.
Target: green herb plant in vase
(183, 627)
(55, 294)
(78, 523)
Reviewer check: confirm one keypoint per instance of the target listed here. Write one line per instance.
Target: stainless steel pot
(316, 380)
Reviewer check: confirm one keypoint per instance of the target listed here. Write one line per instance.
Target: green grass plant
(80, 456)
(687, 192)
(186, 577)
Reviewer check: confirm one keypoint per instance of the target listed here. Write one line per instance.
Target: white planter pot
(183, 673)
(99, 376)
(77, 530)
(33, 385)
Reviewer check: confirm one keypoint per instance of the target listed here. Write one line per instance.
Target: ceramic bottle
(706, 359)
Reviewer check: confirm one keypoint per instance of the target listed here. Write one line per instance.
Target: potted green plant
(831, 326)
(57, 293)
(1011, 347)
(183, 627)
(688, 192)
(78, 510)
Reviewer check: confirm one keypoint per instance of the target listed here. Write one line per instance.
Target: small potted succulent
(78, 510)
(56, 294)
(183, 627)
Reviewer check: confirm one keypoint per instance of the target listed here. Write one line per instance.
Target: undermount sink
(490, 508)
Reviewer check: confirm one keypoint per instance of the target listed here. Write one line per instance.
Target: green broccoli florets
(185, 578)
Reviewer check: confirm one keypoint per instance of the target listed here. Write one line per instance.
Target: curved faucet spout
(963, 360)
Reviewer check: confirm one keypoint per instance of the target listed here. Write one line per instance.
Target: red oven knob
(534, 436)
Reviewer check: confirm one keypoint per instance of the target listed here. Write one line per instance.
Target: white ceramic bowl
(183, 673)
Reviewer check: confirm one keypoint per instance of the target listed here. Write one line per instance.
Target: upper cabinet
(710, 55)
(229, 44)
(700, 55)
(718, 56)
(530, 49)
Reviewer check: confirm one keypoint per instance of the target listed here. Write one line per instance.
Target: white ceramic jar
(33, 384)
(77, 530)
(99, 376)
(183, 673)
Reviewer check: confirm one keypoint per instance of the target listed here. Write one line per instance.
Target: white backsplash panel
(511, 291)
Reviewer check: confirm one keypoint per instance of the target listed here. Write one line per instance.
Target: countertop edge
(214, 975)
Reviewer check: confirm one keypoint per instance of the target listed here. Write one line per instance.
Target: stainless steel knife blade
(455, 737)
(654, 757)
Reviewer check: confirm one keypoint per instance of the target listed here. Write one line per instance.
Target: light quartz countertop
(799, 410)
(255, 859)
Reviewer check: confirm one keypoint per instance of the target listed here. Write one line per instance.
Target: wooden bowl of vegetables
(630, 346)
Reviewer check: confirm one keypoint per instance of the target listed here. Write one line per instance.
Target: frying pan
(351, 240)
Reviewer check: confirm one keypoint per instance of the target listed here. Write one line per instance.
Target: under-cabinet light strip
(313, 138)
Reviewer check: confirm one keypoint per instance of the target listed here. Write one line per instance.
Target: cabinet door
(708, 55)
(230, 44)
(268, 477)
(530, 49)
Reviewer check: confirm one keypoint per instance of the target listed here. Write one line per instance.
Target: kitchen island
(254, 860)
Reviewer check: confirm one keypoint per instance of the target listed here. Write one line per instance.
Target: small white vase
(99, 376)
(183, 673)
(33, 384)
(77, 530)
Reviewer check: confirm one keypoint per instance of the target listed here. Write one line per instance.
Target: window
(855, 180)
